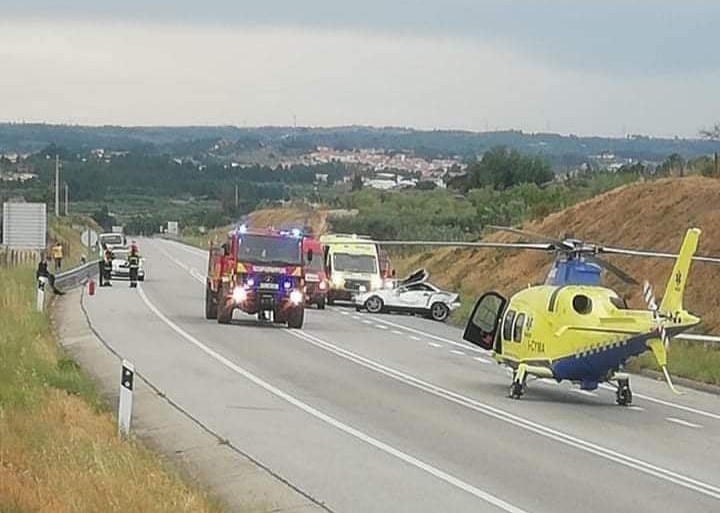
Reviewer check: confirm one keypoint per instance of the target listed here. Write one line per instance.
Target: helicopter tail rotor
(658, 345)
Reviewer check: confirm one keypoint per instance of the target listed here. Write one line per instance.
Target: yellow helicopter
(572, 328)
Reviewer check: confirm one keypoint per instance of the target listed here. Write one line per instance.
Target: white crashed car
(121, 267)
(411, 295)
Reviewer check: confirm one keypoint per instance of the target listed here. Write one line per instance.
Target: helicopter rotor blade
(613, 269)
(524, 233)
(461, 244)
(654, 254)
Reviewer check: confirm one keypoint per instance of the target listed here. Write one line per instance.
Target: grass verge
(59, 451)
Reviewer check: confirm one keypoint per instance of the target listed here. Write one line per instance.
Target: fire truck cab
(316, 280)
(259, 272)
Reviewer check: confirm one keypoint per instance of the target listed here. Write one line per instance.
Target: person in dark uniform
(106, 268)
(43, 272)
(134, 263)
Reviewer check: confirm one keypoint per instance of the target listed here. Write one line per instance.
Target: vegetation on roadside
(59, 449)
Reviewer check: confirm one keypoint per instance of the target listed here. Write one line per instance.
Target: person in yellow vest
(57, 254)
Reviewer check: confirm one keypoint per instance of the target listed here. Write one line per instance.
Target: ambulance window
(517, 330)
(507, 325)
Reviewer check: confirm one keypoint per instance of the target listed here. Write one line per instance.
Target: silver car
(411, 295)
(121, 267)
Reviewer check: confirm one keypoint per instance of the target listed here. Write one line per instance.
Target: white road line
(669, 404)
(380, 326)
(683, 422)
(546, 431)
(396, 332)
(382, 446)
(636, 408)
(481, 359)
(413, 337)
(455, 351)
(345, 313)
(583, 392)
(367, 322)
(604, 386)
(434, 344)
(356, 317)
(435, 337)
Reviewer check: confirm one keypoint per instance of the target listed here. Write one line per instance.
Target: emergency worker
(106, 268)
(57, 255)
(134, 262)
(43, 272)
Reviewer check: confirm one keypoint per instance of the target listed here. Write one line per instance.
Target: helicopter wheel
(516, 390)
(623, 396)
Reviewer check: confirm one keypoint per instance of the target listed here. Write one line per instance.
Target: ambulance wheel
(623, 396)
(296, 317)
(211, 306)
(374, 304)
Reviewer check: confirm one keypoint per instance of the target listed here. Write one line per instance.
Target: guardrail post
(127, 379)
(40, 301)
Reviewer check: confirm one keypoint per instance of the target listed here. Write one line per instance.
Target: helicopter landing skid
(623, 394)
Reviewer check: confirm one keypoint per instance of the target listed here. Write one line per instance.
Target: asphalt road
(395, 413)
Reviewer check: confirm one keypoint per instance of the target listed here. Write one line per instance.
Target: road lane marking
(374, 442)
(636, 408)
(481, 359)
(396, 332)
(434, 344)
(455, 351)
(356, 317)
(683, 422)
(367, 322)
(413, 337)
(535, 427)
(345, 313)
(604, 386)
(380, 326)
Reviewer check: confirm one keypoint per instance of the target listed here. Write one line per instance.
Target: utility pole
(717, 165)
(57, 185)
(67, 195)
(237, 201)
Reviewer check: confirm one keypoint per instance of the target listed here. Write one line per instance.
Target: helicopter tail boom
(672, 301)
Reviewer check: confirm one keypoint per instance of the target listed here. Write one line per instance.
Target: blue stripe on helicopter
(592, 365)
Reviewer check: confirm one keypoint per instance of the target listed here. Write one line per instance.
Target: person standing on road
(134, 263)
(106, 268)
(57, 255)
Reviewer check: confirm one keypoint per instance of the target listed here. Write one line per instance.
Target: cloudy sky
(605, 67)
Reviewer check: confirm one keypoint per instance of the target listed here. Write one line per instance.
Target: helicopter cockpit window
(582, 304)
(519, 325)
(508, 325)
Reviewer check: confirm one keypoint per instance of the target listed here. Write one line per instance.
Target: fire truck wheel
(211, 307)
(321, 303)
(296, 317)
(224, 313)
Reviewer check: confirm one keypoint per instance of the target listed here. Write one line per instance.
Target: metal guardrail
(77, 276)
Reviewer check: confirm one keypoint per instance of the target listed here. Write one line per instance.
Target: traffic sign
(89, 238)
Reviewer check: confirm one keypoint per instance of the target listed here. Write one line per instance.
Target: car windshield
(354, 263)
(269, 250)
(111, 239)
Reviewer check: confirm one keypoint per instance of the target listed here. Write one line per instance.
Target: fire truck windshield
(269, 250)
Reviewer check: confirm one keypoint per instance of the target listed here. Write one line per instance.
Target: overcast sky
(605, 67)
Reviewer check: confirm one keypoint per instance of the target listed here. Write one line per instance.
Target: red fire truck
(259, 272)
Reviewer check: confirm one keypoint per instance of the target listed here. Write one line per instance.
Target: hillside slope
(651, 215)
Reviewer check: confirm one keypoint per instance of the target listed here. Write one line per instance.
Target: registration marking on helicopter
(683, 422)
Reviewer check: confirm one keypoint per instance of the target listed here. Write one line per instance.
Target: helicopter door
(483, 324)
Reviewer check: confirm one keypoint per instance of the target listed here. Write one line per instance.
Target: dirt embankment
(281, 218)
(652, 215)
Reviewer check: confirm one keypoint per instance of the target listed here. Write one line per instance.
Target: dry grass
(61, 229)
(59, 451)
(652, 215)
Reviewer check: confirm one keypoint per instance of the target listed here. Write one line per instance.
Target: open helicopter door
(484, 322)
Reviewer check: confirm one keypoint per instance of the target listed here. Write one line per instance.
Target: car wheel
(439, 312)
(374, 304)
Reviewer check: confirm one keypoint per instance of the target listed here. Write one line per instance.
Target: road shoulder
(202, 456)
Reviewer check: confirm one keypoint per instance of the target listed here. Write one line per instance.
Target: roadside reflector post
(40, 304)
(126, 390)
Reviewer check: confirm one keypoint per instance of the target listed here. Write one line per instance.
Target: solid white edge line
(668, 404)
(683, 422)
(535, 427)
(452, 480)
